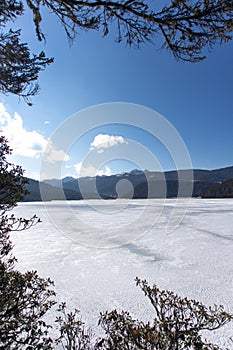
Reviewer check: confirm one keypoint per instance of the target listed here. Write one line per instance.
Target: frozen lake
(96, 249)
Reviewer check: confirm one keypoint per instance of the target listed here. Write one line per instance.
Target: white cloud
(27, 143)
(23, 142)
(106, 171)
(53, 155)
(102, 141)
(91, 170)
(46, 122)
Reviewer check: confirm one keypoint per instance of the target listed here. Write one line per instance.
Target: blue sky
(197, 99)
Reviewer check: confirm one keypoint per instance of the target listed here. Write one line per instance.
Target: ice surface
(96, 249)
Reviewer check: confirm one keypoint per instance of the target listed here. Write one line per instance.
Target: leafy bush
(177, 324)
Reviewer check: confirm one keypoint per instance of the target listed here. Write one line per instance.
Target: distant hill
(216, 175)
(133, 184)
(49, 192)
(156, 191)
(223, 190)
(106, 186)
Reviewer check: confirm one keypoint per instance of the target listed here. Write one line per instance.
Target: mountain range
(216, 183)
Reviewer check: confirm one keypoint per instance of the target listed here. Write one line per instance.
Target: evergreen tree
(24, 297)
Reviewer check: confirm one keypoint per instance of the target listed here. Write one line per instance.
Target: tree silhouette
(24, 297)
(177, 324)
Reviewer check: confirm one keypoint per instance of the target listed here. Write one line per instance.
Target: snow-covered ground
(96, 249)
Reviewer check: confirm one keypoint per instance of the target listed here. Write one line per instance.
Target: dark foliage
(73, 334)
(24, 297)
(185, 26)
(176, 326)
(12, 182)
(19, 69)
(222, 190)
